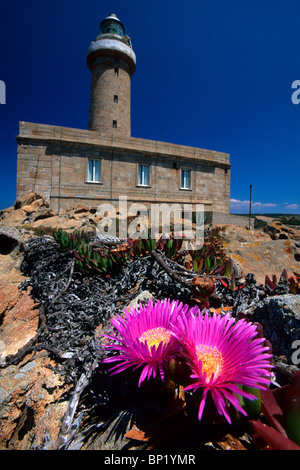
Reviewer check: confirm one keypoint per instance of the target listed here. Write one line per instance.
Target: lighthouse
(99, 165)
(112, 62)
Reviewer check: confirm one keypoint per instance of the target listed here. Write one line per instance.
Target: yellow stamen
(211, 358)
(155, 336)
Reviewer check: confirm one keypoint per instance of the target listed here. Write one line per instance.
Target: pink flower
(223, 353)
(144, 338)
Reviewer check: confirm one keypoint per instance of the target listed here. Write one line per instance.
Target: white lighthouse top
(112, 41)
(112, 15)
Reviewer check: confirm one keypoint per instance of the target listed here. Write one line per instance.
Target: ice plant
(223, 354)
(144, 338)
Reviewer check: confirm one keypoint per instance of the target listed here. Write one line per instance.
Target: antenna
(250, 206)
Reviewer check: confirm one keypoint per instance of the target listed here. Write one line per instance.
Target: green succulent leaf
(252, 407)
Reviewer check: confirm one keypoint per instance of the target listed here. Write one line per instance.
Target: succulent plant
(281, 408)
(141, 246)
(172, 247)
(291, 409)
(294, 282)
(99, 261)
(72, 241)
(272, 285)
(211, 257)
(93, 260)
(202, 288)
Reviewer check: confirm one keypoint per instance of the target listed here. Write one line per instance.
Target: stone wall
(231, 219)
(110, 98)
(53, 161)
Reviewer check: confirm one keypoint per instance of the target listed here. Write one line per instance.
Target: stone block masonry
(110, 99)
(54, 160)
(112, 62)
(101, 164)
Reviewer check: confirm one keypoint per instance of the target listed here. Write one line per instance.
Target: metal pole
(250, 206)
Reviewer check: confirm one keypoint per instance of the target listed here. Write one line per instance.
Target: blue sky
(212, 74)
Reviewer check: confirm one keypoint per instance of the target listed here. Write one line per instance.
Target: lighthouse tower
(112, 62)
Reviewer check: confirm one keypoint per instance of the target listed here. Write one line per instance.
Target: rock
(33, 398)
(255, 252)
(29, 198)
(280, 318)
(81, 209)
(36, 399)
(13, 218)
(19, 318)
(24, 209)
(10, 238)
(142, 298)
(277, 231)
(32, 212)
(42, 214)
(35, 206)
(32, 404)
(18, 312)
(239, 234)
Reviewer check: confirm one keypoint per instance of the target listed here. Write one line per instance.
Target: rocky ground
(52, 393)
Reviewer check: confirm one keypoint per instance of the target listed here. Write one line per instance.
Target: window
(143, 175)
(94, 171)
(115, 124)
(116, 99)
(116, 72)
(185, 179)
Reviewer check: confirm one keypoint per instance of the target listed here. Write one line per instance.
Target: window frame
(143, 164)
(93, 181)
(183, 188)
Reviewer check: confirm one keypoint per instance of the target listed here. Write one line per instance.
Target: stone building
(105, 162)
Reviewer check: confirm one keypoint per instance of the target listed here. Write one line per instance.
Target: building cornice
(43, 132)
